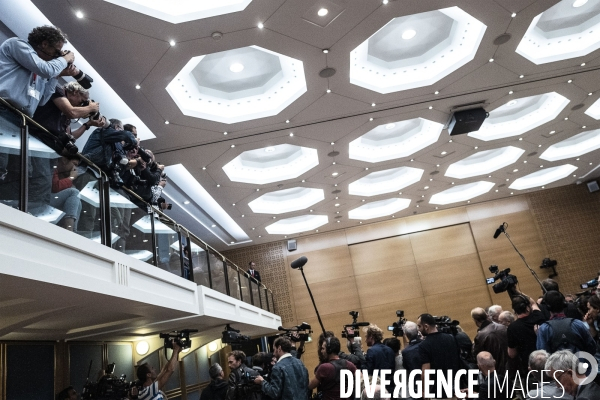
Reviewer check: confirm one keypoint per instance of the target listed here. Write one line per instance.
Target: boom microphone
(299, 263)
(499, 231)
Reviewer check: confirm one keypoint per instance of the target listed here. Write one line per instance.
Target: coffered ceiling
(292, 119)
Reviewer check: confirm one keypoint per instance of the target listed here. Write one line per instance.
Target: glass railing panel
(234, 282)
(255, 295)
(88, 185)
(10, 158)
(271, 303)
(263, 298)
(217, 273)
(168, 254)
(131, 227)
(199, 262)
(245, 287)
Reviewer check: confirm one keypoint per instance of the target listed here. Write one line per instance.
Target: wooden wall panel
(331, 297)
(521, 228)
(388, 286)
(323, 265)
(439, 244)
(451, 273)
(382, 255)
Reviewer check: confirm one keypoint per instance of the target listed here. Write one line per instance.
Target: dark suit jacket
(256, 275)
(492, 338)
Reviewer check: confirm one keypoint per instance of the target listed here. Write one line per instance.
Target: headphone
(328, 348)
(526, 301)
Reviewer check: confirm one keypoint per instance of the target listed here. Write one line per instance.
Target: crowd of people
(32, 80)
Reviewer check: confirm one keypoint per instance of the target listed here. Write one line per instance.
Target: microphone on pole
(499, 231)
(299, 263)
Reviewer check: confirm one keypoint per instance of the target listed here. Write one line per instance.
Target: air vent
(502, 39)
(333, 154)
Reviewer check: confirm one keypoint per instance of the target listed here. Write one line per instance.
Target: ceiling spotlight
(225, 133)
(328, 90)
(172, 42)
(274, 217)
(566, 118)
(370, 119)
(232, 242)
(521, 76)
(476, 147)
(520, 138)
(590, 93)
(138, 87)
(430, 107)
(204, 168)
(583, 127)
(253, 228)
(259, 236)
(583, 64)
(218, 185)
(291, 133)
(233, 204)
(337, 204)
(426, 187)
(373, 104)
(513, 15)
(511, 92)
(390, 126)
(491, 60)
(579, 3)
(363, 200)
(322, 12)
(287, 121)
(166, 122)
(243, 215)
(233, 145)
(186, 202)
(213, 225)
(408, 34)
(269, 149)
(236, 67)
(436, 92)
(79, 14)
(334, 174)
(552, 132)
(325, 51)
(570, 81)
(310, 210)
(515, 170)
(303, 180)
(444, 153)
(260, 25)
(332, 143)
(367, 168)
(258, 190)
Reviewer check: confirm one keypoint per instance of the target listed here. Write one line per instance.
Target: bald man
(491, 337)
(488, 376)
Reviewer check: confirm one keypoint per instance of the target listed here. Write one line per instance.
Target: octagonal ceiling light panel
(377, 209)
(299, 224)
(460, 193)
(574, 146)
(287, 200)
(395, 140)
(271, 164)
(387, 181)
(566, 30)
(238, 85)
(484, 162)
(594, 110)
(543, 177)
(416, 50)
(178, 11)
(521, 115)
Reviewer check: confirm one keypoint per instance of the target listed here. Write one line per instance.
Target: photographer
(217, 389)
(327, 375)
(241, 378)
(100, 146)
(29, 70)
(378, 356)
(152, 384)
(570, 310)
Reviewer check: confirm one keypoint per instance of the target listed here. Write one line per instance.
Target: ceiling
(259, 117)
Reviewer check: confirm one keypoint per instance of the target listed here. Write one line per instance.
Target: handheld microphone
(499, 231)
(299, 263)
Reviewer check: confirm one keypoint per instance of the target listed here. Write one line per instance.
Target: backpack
(563, 337)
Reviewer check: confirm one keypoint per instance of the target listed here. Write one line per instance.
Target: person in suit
(253, 272)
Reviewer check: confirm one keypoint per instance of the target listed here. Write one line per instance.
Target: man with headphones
(521, 334)
(327, 375)
(561, 332)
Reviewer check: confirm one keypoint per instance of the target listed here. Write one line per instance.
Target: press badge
(32, 92)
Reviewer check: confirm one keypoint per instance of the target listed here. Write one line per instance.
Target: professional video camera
(182, 338)
(354, 326)
(97, 115)
(397, 328)
(507, 281)
(160, 202)
(232, 336)
(548, 263)
(446, 325)
(109, 386)
(589, 284)
(298, 333)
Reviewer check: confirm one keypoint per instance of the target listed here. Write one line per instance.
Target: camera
(354, 326)
(232, 336)
(446, 325)
(95, 116)
(548, 263)
(109, 387)
(397, 328)
(160, 202)
(507, 281)
(589, 284)
(182, 338)
(298, 333)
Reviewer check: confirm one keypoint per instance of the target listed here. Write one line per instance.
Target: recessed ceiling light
(138, 87)
(583, 64)
(328, 90)
(243, 215)
(213, 225)
(259, 236)
(552, 132)
(261, 25)
(334, 174)
(566, 118)
(322, 12)
(373, 104)
(225, 133)
(515, 170)
(79, 14)
(510, 92)
(521, 76)
(520, 139)
(203, 168)
(166, 122)
(236, 67)
(333, 163)
(172, 42)
(491, 60)
(426, 187)
(337, 198)
(337, 204)
(408, 34)
(590, 93)
(436, 92)
(291, 133)
(310, 210)
(444, 153)
(287, 121)
(430, 107)
(274, 217)
(186, 202)
(218, 185)
(303, 180)
(366, 168)
(325, 51)
(233, 145)
(385, 1)
(579, 3)
(390, 126)
(570, 81)
(253, 228)
(258, 190)
(513, 15)
(461, 193)
(370, 119)
(332, 143)
(583, 127)
(233, 204)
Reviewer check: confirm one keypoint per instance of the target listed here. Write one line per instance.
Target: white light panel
(219, 94)
(484, 162)
(562, 32)
(377, 209)
(177, 11)
(195, 248)
(271, 164)
(543, 177)
(416, 50)
(521, 115)
(389, 180)
(387, 142)
(299, 224)
(594, 110)
(287, 200)
(461, 193)
(144, 225)
(574, 146)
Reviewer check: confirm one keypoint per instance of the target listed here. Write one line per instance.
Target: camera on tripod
(397, 328)
(182, 338)
(446, 325)
(507, 281)
(232, 336)
(109, 386)
(298, 333)
(353, 326)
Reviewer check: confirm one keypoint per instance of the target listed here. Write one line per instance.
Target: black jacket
(217, 390)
